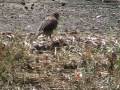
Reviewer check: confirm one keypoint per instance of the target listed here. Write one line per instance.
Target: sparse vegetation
(87, 61)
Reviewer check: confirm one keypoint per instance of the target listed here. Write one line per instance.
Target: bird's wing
(46, 23)
(42, 27)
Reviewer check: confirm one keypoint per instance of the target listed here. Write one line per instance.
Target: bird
(49, 24)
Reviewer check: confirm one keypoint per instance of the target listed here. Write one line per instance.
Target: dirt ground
(80, 15)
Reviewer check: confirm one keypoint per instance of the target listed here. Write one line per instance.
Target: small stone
(63, 4)
(118, 21)
(22, 2)
(26, 7)
(32, 6)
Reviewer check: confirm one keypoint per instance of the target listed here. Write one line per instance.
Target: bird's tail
(35, 37)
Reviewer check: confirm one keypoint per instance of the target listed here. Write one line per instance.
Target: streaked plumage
(49, 24)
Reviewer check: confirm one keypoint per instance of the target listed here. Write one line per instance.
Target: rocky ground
(27, 15)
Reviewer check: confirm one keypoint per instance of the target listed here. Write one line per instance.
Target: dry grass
(87, 62)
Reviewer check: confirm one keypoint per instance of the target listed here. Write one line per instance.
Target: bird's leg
(51, 38)
(37, 35)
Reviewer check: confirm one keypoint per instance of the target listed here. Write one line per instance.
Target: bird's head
(56, 15)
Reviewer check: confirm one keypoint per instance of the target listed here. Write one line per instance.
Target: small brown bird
(50, 23)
